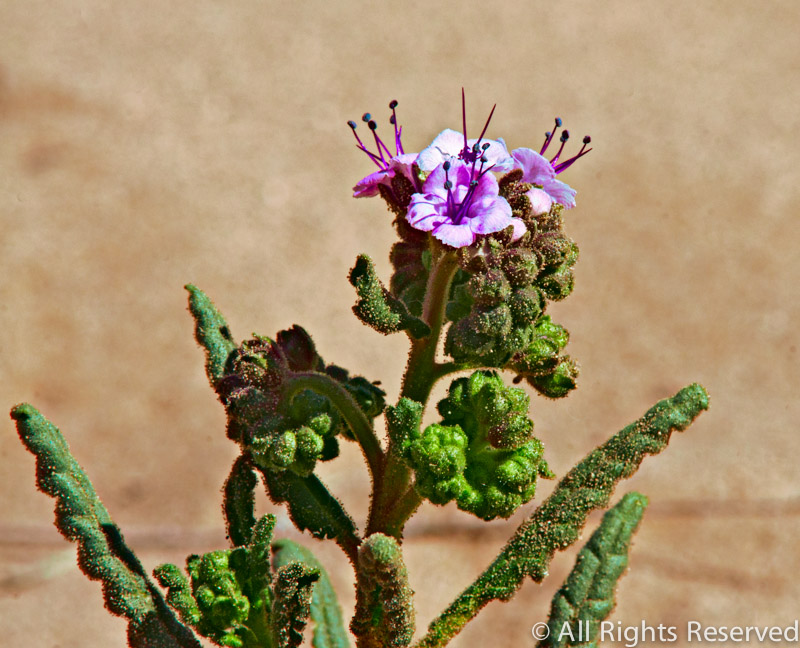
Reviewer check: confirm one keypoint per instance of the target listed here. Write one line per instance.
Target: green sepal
(238, 503)
(377, 307)
(588, 594)
(329, 628)
(313, 508)
(291, 606)
(557, 523)
(103, 554)
(211, 332)
(384, 614)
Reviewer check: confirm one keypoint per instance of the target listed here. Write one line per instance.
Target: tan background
(144, 147)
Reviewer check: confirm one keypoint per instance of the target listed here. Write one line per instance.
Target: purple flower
(460, 201)
(452, 145)
(538, 170)
(388, 164)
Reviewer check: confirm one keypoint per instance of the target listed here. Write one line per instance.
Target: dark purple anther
(383, 156)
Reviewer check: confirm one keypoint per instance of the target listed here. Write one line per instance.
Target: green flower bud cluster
(281, 433)
(482, 454)
(498, 311)
(232, 595)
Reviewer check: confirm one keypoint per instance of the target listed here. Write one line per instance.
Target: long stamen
(548, 136)
(451, 201)
(485, 126)
(464, 119)
(363, 148)
(463, 207)
(564, 138)
(379, 142)
(398, 131)
(558, 168)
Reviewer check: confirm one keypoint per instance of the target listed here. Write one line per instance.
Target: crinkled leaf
(102, 552)
(588, 595)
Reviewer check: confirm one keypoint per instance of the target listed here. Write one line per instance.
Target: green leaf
(239, 502)
(313, 508)
(329, 629)
(557, 523)
(588, 595)
(292, 605)
(384, 614)
(102, 552)
(377, 307)
(211, 332)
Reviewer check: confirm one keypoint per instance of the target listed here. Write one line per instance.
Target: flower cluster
(449, 189)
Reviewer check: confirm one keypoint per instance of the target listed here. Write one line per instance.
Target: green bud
(521, 266)
(558, 383)
(282, 449)
(489, 289)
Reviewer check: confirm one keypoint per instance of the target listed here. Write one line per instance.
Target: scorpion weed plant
(481, 251)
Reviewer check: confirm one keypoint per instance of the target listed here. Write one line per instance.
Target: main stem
(393, 501)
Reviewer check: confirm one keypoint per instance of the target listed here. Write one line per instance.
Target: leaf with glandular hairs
(102, 552)
(557, 523)
(588, 595)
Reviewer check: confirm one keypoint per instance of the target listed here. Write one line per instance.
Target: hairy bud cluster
(498, 301)
(483, 454)
(236, 598)
(281, 433)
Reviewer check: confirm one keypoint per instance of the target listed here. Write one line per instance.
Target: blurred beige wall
(147, 146)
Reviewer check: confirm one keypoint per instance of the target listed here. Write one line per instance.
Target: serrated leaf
(292, 604)
(588, 594)
(102, 552)
(211, 332)
(313, 508)
(239, 502)
(377, 307)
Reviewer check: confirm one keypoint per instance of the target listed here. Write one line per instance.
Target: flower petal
(456, 236)
(536, 168)
(446, 145)
(491, 216)
(497, 155)
(425, 212)
(368, 186)
(561, 193)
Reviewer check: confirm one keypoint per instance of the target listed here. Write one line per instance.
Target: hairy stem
(388, 513)
(421, 369)
(350, 411)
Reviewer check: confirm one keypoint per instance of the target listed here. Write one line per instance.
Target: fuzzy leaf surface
(102, 552)
(588, 594)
